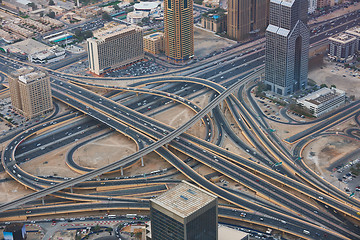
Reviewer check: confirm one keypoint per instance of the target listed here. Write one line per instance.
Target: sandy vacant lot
(107, 149)
(323, 151)
(206, 42)
(332, 74)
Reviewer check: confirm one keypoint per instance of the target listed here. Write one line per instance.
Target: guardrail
(137, 155)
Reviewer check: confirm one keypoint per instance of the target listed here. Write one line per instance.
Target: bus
(53, 35)
(131, 215)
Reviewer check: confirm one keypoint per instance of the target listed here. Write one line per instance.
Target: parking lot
(10, 120)
(145, 67)
(91, 26)
(344, 174)
(137, 69)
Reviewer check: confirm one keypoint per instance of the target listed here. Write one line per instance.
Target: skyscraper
(30, 92)
(179, 29)
(246, 17)
(185, 212)
(287, 46)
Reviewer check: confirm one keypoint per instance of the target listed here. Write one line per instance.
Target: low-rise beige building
(214, 22)
(113, 46)
(154, 43)
(355, 31)
(19, 30)
(7, 37)
(323, 100)
(342, 47)
(39, 26)
(30, 92)
(51, 21)
(136, 17)
(56, 9)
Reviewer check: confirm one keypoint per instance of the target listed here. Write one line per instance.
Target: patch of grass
(355, 169)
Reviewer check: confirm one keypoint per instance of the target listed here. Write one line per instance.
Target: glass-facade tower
(287, 46)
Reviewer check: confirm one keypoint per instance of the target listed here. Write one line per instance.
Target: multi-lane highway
(289, 199)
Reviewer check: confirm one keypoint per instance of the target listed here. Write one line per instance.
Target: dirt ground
(108, 149)
(180, 115)
(333, 74)
(64, 235)
(324, 151)
(206, 42)
(11, 190)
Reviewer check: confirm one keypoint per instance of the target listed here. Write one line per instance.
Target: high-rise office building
(287, 46)
(179, 29)
(115, 45)
(30, 92)
(246, 17)
(185, 212)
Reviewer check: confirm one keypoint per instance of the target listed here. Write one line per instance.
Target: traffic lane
(229, 197)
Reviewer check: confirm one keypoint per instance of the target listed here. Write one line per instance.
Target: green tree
(77, 32)
(87, 34)
(97, 228)
(106, 16)
(138, 235)
(51, 14)
(51, 3)
(323, 85)
(116, 7)
(32, 5)
(333, 86)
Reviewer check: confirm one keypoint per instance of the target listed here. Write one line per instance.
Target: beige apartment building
(30, 92)
(113, 46)
(154, 43)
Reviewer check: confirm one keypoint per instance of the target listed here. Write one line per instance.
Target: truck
(131, 215)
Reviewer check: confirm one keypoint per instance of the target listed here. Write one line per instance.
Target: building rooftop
(14, 227)
(184, 199)
(226, 233)
(354, 31)
(281, 31)
(322, 95)
(29, 46)
(146, 5)
(342, 38)
(154, 35)
(31, 77)
(112, 29)
(138, 14)
(287, 3)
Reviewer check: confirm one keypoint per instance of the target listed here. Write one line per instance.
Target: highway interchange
(315, 201)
